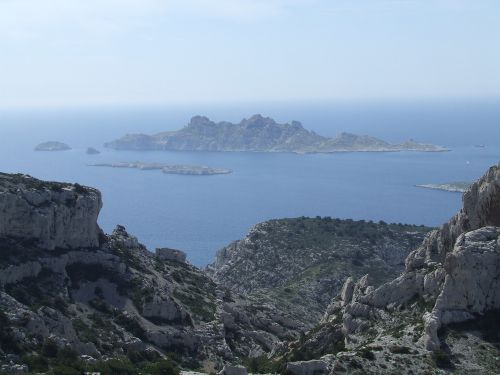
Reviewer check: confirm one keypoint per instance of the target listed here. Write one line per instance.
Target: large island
(259, 134)
(195, 170)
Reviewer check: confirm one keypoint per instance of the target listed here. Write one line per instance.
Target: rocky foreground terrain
(258, 134)
(72, 296)
(441, 315)
(75, 299)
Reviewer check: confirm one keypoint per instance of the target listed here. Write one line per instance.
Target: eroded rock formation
(52, 215)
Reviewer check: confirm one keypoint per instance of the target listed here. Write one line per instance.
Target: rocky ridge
(441, 313)
(301, 263)
(258, 134)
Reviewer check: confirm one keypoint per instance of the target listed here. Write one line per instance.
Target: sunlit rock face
(456, 270)
(52, 215)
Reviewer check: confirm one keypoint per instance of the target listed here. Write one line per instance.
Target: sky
(134, 52)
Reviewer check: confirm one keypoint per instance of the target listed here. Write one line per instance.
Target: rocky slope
(441, 314)
(257, 134)
(74, 299)
(301, 264)
(65, 287)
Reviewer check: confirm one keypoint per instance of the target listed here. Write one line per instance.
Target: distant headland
(194, 170)
(455, 187)
(259, 134)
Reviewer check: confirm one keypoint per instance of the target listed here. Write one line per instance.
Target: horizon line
(232, 103)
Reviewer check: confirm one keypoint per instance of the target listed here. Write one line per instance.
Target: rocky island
(92, 151)
(259, 134)
(52, 146)
(193, 170)
(455, 187)
(74, 299)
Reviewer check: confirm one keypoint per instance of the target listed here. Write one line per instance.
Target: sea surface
(200, 214)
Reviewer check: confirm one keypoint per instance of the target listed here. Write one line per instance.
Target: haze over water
(201, 214)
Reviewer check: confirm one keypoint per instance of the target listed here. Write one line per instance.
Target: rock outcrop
(314, 367)
(452, 278)
(52, 215)
(92, 151)
(65, 284)
(257, 133)
(172, 255)
(471, 285)
(233, 370)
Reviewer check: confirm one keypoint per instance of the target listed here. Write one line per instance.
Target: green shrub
(79, 189)
(8, 342)
(65, 370)
(36, 363)
(56, 187)
(367, 354)
(49, 348)
(442, 359)
(399, 349)
(67, 356)
(163, 367)
(114, 367)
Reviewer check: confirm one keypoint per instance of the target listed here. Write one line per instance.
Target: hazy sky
(79, 52)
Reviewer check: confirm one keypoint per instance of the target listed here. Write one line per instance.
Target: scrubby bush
(399, 349)
(8, 342)
(367, 354)
(442, 359)
(49, 348)
(36, 363)
(163, 367)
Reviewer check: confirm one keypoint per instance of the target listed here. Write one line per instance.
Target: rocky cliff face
(67, 286)
(257, 133)
(52, 215)
(440, 313)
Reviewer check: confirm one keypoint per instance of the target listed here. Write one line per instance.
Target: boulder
(171, 255)
(163, 309)
(233, 370)
(315, 367)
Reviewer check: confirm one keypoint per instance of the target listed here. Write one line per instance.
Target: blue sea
(200, 214)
